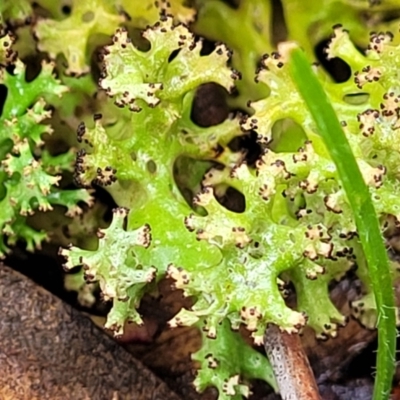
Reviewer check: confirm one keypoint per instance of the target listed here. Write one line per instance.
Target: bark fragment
(51, 351)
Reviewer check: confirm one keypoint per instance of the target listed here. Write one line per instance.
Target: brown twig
(292, 369)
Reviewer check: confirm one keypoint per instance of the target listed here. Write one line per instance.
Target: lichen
(28, 184)
(137, 140)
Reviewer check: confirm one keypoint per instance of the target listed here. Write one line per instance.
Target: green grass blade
(364, 213)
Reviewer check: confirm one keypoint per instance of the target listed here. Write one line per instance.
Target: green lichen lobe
(28, 183)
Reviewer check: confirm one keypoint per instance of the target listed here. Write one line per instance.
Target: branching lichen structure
(27, 183)
(138, 141)
(308, 23)
(160, 120)
(88, 18)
